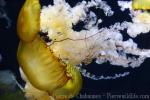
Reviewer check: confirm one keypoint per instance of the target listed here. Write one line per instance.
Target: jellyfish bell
(42, 69)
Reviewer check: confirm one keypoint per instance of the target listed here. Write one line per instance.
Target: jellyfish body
(42, 69)
(49, 67)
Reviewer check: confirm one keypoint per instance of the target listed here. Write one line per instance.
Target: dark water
(137, 83)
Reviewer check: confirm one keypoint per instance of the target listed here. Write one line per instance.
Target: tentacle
(101, 77)
(28, 24)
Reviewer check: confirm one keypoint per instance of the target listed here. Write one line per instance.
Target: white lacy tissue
(104, 44)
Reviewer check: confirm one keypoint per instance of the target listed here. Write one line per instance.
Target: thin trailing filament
(89, 75)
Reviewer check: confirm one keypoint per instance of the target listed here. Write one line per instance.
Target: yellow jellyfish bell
(42, 69)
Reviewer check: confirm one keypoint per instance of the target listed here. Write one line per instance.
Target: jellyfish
(51, 52)
(41, 68)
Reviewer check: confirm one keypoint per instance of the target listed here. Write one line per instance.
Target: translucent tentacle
(101, 77)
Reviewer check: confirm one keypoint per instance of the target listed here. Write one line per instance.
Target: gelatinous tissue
(103, 44)
(73, 48)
